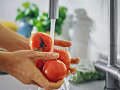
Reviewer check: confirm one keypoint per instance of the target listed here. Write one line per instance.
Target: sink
(7, 82)
(93, 85)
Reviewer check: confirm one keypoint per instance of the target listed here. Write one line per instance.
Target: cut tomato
(41, 42)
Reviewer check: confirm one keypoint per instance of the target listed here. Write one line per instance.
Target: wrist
(2, 60)
(5, 60)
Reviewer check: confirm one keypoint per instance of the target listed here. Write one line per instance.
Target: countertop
(8, 82)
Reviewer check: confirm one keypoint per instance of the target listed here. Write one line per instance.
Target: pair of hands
(20, 64)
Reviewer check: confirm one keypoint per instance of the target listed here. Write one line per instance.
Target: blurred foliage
(29, 11)
(81, 77)
(41, 22)
(1, 49)
(86, 72)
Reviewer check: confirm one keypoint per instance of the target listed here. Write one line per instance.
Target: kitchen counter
(8, 82)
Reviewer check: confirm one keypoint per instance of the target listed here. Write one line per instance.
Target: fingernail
(55, 55)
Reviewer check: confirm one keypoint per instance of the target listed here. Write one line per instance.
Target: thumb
(45, 56)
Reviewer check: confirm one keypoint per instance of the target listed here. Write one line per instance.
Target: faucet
(110, 67)
(53, 9)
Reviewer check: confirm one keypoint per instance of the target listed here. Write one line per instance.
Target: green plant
(41, 22)
(30, 10)
(60, 20)
(81, 77)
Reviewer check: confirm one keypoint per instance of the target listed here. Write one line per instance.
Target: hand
(12, 41)
(64, 43)
(20, 64)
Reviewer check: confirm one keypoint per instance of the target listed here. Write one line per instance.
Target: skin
(19, 60)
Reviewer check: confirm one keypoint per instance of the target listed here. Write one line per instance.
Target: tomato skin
(39, 64)
(35, 42)
(54, 70)
(64, 56)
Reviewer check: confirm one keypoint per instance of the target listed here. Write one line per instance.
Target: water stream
(52, 32)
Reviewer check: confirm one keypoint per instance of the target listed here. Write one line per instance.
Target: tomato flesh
(54, 70)
(41, 42)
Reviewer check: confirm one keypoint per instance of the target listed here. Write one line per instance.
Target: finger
(62, 43)
(41, 80)
(56, 85)
(45, 55)
(36, 84)
(48, 89)
(68, 73)
(75, 60)
(73, 70)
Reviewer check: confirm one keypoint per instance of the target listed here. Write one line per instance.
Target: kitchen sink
(7, 82)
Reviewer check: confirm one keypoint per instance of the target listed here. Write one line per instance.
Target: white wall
(8, 7)
(97, 10)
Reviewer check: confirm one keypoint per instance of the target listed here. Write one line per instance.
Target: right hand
(21, 65)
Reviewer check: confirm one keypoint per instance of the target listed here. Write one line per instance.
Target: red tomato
(54, 70)
(40, 64)
(64, 57)
(41, 42)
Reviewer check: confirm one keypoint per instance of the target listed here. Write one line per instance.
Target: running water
(65, 86)
(52, 32)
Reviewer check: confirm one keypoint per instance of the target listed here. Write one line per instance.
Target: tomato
(39, 64)
(54, 70)
(64, 56)
(41, 42)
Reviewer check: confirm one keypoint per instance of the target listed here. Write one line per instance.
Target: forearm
(12, 41)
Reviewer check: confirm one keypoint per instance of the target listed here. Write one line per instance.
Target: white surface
(94, 85)
(97, 10)
(8, 82)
